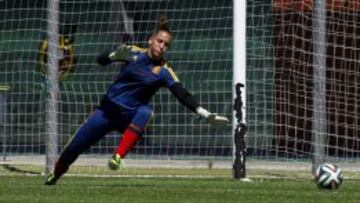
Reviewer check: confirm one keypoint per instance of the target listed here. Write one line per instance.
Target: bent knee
(145, 111)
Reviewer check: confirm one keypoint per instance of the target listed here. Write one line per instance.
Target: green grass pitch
(30, 188)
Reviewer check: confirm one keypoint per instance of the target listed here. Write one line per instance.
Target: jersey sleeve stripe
(135, 48)
(172, 73)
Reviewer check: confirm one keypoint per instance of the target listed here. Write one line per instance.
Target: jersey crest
(156, 70)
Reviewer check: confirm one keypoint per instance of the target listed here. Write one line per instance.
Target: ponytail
(162, 25)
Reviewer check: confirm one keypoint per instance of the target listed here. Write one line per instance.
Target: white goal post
(201, 55)
(302, 78)
(273, 47)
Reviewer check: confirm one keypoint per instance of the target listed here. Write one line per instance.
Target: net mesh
(279, 83)
(201, 55)
(280, 80)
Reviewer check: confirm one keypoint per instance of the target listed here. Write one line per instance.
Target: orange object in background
(335, 5)
(292, 5)
(308, 5)
(292, 43)
(353, 5)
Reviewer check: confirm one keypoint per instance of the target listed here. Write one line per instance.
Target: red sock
(129, 139)
(60, 168)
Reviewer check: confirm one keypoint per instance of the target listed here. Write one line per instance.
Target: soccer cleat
(51, 179)
(115, 162)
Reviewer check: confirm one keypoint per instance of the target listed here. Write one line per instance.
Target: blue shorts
(108, 117)
(120, 118)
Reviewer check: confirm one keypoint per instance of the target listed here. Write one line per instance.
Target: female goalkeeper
(125, 105)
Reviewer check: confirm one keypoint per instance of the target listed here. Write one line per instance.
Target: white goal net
(300, 102)
(201, 55)
(283, 88)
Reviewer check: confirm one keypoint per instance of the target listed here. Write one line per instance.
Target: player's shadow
(131, 185)
(17, 170)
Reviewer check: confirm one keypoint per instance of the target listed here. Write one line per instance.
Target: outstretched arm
(122, 53)
(185, 98)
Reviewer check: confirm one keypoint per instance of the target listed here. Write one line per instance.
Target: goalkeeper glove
(213, 118)
(122, 53)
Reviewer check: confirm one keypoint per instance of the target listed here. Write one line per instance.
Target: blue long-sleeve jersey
(139, 79)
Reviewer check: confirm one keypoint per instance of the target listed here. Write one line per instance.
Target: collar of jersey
(154, 62)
